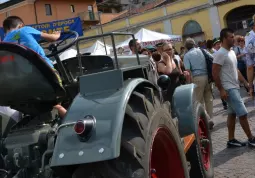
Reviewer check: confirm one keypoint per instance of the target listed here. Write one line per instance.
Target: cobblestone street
(232, 162)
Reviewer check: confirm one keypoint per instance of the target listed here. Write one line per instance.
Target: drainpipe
(99, 16)
(36, 18)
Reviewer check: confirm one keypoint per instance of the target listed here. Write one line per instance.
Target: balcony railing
(89, 16)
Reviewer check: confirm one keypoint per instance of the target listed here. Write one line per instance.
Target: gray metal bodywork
(108, 107)
(105, 95)
(183, 100)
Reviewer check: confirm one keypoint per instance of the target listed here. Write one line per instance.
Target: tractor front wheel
(151, 145)
(200, 154)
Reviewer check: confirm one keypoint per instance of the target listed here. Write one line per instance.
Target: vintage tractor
(118, 124)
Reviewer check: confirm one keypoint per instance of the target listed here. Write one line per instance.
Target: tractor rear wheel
(151, 145)
(200, 154)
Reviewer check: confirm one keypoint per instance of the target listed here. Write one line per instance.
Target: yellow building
(200, 19)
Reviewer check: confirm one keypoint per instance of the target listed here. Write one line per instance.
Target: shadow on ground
(227, 154)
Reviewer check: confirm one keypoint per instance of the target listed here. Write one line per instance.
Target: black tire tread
(138, 117)
(193, 155)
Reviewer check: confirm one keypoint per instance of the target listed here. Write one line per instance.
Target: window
(90, 8)
(235, 21)
(91, 13)
(8, 14)
(72, 8)
(191, 27)
(48, 9)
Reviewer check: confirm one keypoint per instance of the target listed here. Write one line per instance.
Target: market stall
(98, 48)
(147, 37)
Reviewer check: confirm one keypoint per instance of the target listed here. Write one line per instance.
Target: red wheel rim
(205, 150)
(165, 161)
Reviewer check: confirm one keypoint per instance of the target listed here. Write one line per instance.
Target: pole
(99, 16)
(35, 10)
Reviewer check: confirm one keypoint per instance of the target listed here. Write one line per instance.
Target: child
(17, 32)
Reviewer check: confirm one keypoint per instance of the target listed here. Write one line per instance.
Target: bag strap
(204, 53)
(239, 52)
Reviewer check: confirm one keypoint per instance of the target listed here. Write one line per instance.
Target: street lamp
(99, 17)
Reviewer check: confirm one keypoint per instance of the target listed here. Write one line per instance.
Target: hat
(150, 48)
(216, 40)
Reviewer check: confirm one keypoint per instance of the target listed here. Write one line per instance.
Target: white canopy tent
(65, 55)
(68, 54)
(148, 37)
(98, 48)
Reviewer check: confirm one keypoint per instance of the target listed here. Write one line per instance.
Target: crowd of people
(232, 68)
(233, 59)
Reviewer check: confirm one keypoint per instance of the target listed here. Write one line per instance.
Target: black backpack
(209, 64)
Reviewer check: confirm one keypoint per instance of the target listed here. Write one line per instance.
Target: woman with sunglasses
(240, 52)
(241, 56)
(169, 66)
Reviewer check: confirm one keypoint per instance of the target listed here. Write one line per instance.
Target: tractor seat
(28, 83)
(90, 63)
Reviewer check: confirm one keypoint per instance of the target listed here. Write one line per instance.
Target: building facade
(40, 11)
(115, 6)
(200, 19)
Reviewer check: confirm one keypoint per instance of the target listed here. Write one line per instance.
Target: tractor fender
(183, 101)
(108, 108)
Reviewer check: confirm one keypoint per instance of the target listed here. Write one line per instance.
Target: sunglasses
(169, 49)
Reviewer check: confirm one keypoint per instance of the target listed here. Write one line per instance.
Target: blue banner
(1, 33)
(73, 24)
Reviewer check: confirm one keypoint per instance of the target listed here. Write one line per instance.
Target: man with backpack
(198, 62)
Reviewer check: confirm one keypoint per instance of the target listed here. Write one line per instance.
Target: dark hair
(132, 43)
(224, 33)
(12, 22)
(209, 44)
(156, 56)
(143, 50)
(175, 51)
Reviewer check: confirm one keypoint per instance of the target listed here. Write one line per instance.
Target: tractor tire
(150, 145)
(200, 155)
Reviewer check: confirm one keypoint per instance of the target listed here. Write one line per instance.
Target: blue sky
(1, 1)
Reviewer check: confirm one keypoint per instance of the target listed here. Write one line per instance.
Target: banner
(73, 24)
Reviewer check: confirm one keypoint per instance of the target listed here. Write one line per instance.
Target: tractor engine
(28, 148)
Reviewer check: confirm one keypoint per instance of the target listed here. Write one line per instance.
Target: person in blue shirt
(17, 32)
